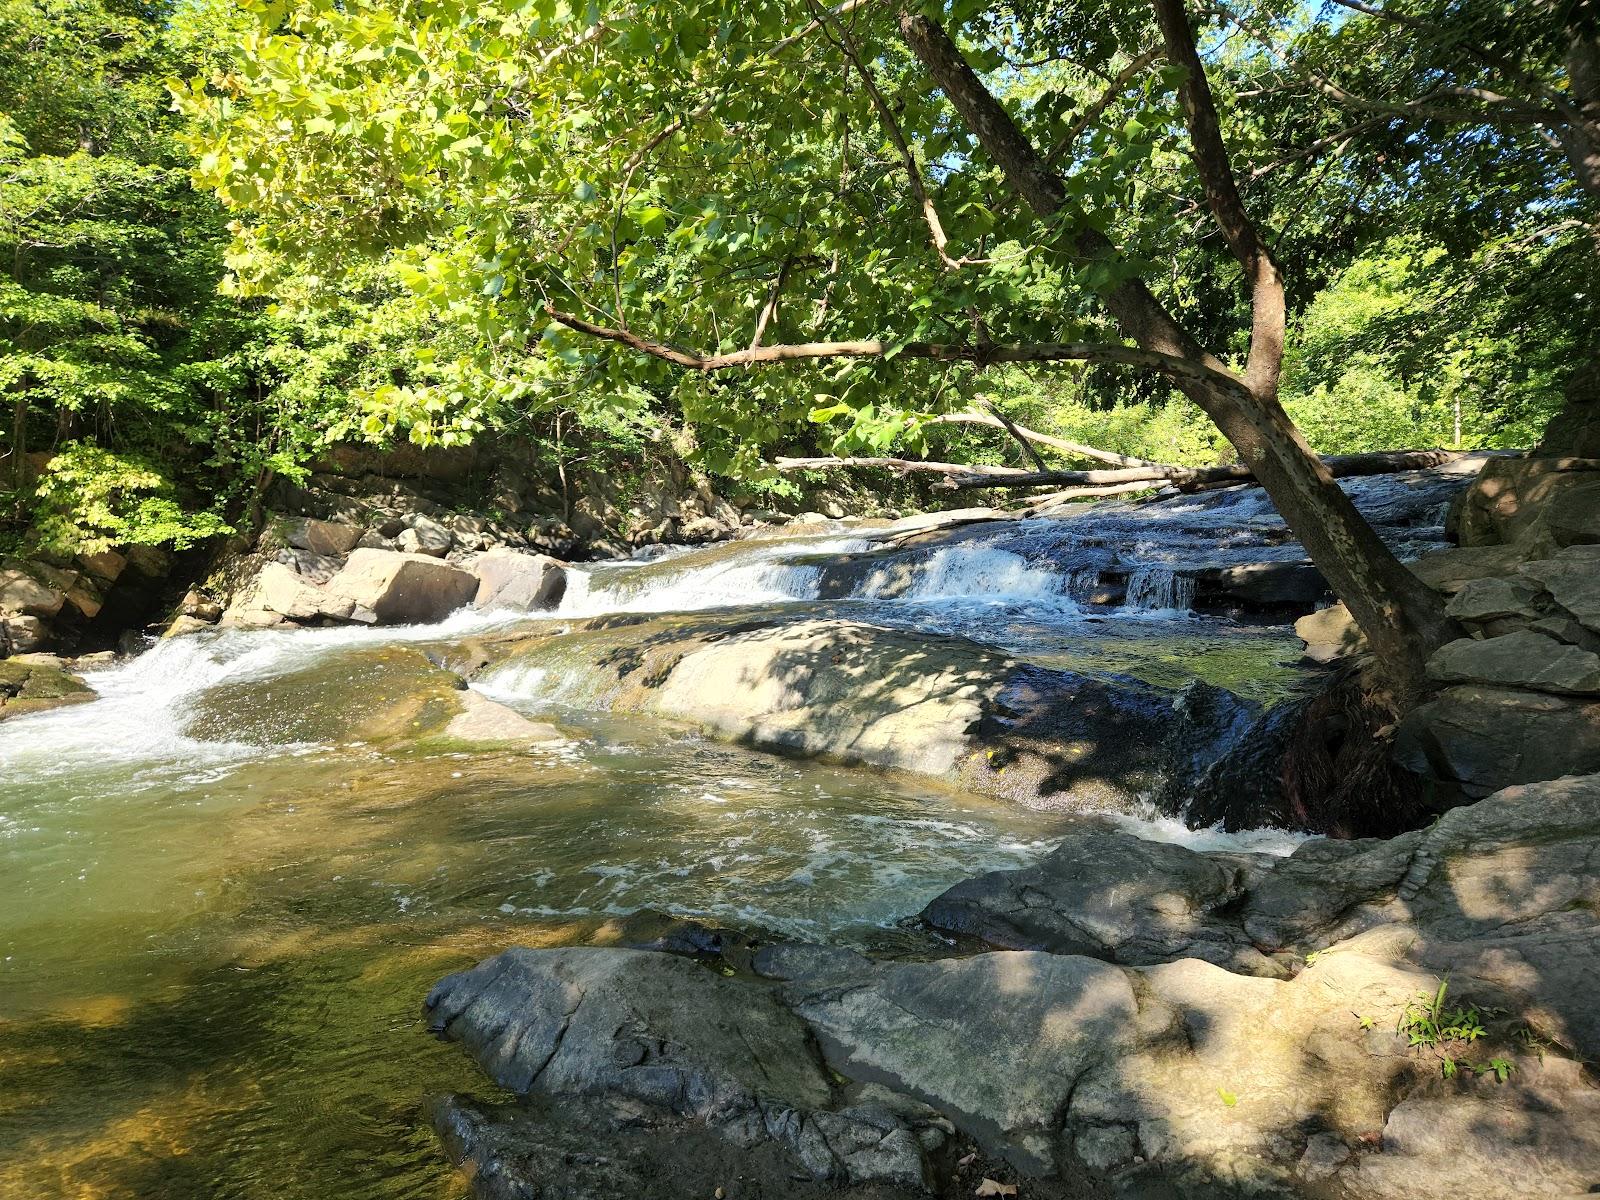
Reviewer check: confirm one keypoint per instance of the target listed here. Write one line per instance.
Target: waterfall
(725, 576)
(1159, 589)
(978, 572)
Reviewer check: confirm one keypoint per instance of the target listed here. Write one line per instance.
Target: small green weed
(1428, 1024)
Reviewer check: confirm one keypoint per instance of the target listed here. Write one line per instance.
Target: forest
(786, 599)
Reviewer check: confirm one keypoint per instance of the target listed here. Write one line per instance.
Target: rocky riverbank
(1157, 1022)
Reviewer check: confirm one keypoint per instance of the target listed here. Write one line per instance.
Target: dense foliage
(414, 186)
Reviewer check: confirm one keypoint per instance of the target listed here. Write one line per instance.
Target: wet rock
(1523, 659)
(182, 626)
(400, 588)
(517, 580)
(1261, 585)
(326, 538)
(37, 686)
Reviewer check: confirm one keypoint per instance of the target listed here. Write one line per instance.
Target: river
(213, 947)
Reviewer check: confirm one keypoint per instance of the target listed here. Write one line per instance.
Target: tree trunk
(19, 443)
(1403, 619)
(1580, 138)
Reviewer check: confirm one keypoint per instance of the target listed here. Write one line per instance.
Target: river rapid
(213, 948)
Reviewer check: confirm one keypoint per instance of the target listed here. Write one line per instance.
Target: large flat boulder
(1522, 659)
(921, 702)
(401, 589)
(661, 1034)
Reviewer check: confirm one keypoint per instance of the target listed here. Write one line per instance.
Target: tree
(771, 212)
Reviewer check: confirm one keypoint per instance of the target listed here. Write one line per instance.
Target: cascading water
(1160, 590)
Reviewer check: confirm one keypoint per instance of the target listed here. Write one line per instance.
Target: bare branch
(770, 308)
(1076, 449)
(959, 477)
(980, 355)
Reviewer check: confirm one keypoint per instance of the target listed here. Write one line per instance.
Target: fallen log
(958, 477)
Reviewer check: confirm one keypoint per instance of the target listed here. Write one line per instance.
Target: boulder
(400, 589)
(1450, 570)
(1482, 738)
(106, 566)
(183, 625)
(424, 535)
(21, 591)
(1110, 896)
(518, 580)
(1523, 659)
(1493, 599)
(666, 1036)
(279, 589)
(1330, 634)
(1572, 577)
(1550, 500)
(20, 634)
(38, 685)
(327, 538)
(921, 702)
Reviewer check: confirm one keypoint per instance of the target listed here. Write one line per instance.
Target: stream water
(213, 948)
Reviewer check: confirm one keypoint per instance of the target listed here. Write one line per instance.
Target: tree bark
(1403, 619)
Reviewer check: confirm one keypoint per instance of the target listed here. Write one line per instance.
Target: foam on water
(752, 573)
(139, 715)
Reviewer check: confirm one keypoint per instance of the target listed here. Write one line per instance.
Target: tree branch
(981, 355)
(930, 214)
(1076, 449)
(1269, 308)
(1095, 111)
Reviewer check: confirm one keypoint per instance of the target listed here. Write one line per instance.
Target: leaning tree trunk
(1403, 619)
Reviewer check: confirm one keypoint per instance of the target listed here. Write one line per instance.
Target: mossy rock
(27, 688)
